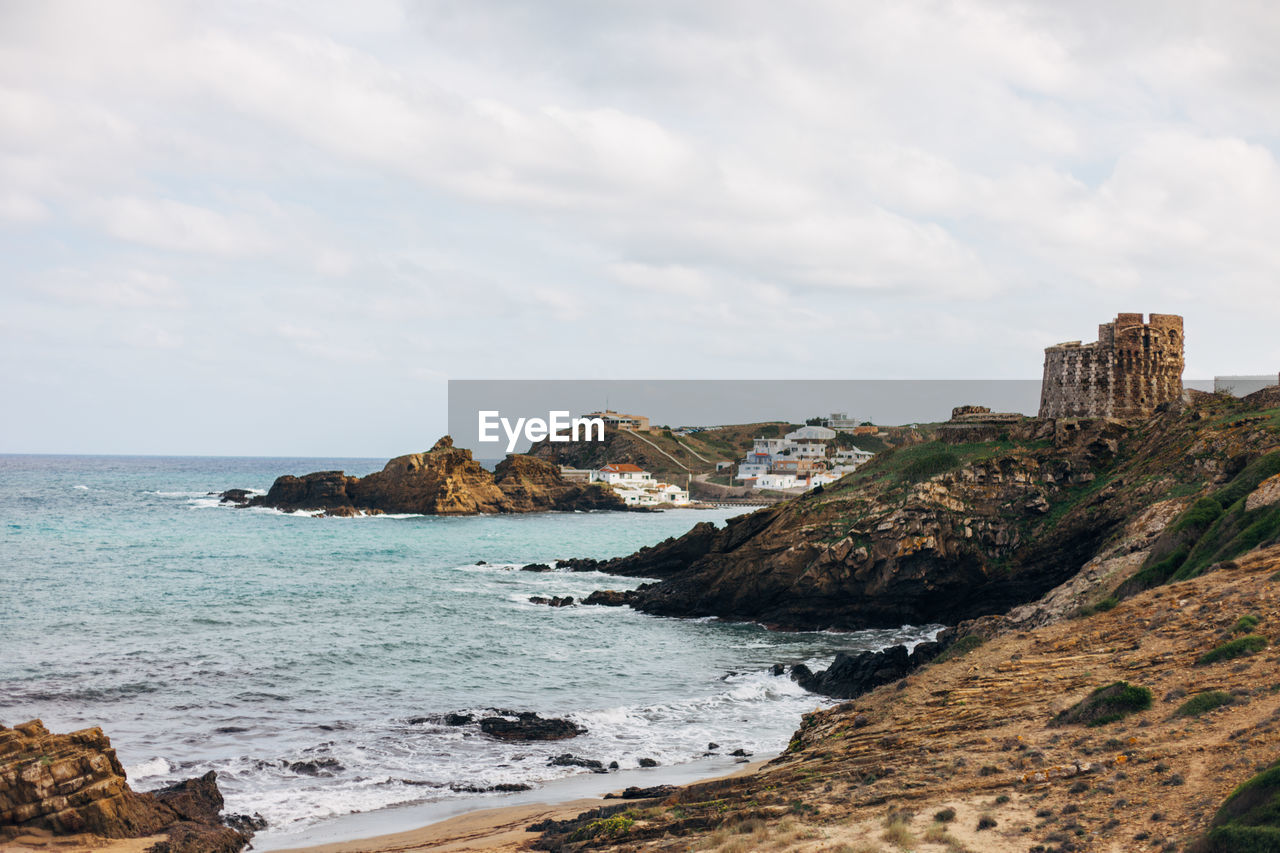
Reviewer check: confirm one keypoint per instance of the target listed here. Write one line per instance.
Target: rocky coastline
(445, 480)
(73, 784)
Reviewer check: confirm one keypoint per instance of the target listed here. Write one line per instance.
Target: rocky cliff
(945, 531)
(73, 783)
(443, 481)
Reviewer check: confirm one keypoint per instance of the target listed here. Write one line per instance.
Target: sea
(310, 661)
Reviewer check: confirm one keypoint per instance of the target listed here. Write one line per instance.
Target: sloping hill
(981, 742)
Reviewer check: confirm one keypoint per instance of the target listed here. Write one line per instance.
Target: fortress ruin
(1131, 369)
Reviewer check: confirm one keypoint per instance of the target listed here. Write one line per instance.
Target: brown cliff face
(529, 484)
(943, 532)
(74, 783)
(443, 481)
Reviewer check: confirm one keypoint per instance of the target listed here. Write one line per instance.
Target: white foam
(148, 769)
(82, 488)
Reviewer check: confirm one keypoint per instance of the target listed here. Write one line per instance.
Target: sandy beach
(495, 829)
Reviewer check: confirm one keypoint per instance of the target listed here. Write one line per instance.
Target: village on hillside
(817, 453)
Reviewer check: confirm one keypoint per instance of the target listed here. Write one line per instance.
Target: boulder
(554, 601)
(636, 793)
(73, 783)
(567, 760)
(529, 726)
(850, 676)
(609, 597)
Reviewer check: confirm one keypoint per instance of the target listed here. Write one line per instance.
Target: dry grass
(898, 832)
(937, 834)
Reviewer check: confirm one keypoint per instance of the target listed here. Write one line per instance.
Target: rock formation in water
(73, 783)
(443, 481)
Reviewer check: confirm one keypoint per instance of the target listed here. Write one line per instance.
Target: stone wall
(1132, 368)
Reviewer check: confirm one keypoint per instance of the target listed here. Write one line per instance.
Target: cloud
(177, 226)
(820, 186)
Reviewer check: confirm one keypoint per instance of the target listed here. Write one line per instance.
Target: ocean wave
(148, 769)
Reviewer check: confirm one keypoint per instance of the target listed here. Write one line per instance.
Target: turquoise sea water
(245, 641)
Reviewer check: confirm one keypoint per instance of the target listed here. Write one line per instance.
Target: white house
(747, 470)
(811, 434)
(637, 487)
(853, 456)
(622, 473)
(777, 481)
(671, 494)
(769, 446)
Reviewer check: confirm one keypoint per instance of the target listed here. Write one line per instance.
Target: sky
(279, 228)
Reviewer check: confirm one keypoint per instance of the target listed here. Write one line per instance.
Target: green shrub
(1106, 705)
(1202, 513)
(1204, 702)
(1249, 819)
(1215, 528)
(929, 465)
(1159, 572)
(1245, 623)
(1102, 606)
(1232, 649)
(605, 827)
(1249, 479)
(945, 816)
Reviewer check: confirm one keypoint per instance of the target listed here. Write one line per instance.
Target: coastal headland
(443, 481)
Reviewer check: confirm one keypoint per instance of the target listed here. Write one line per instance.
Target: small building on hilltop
(1132, 368)
(617, 420)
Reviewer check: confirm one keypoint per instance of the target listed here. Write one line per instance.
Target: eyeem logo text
(558, 426)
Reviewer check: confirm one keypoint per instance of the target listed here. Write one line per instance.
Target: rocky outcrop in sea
(443, 481)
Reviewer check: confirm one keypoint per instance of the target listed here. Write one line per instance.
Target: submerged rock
(529, 726)
(568, 760)
(554, 601)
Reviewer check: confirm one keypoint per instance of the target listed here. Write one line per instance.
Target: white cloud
(807, 184)
(178, 226)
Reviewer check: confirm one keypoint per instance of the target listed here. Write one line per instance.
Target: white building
(637, 487)
(841, 422)
(778, 481)
(622, 473)
(809, 442)
(852, 456)
(810, 434)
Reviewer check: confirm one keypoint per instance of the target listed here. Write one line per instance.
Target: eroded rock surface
(73, 783)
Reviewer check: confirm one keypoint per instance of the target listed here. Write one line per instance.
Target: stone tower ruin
(1132, 368)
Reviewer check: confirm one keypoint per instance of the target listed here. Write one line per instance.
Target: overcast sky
(278, 228)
